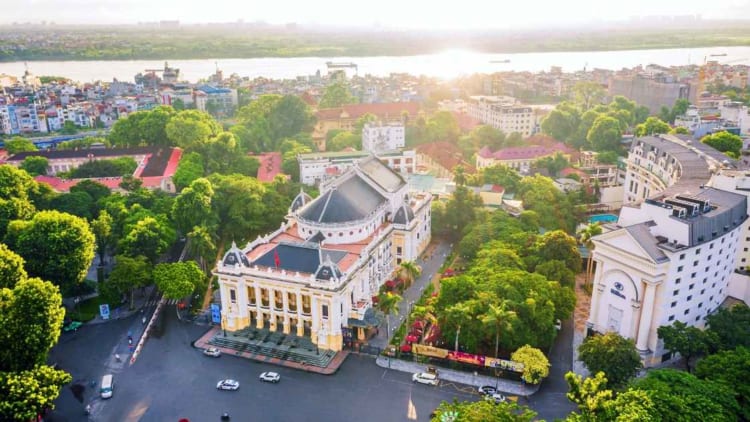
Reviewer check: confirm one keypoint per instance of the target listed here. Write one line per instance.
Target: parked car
(487, 390)
(212, 351)
(558, 325)
(425, 378)
(73, 326)
(496, 397)
(228, 385)
(270, 377)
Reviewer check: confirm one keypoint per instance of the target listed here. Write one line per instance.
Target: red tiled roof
(570, 170)
(524, 153)
(270, 166)
(446, 154)
(382, 110)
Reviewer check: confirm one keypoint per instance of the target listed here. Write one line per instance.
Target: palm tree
(388, 304)
(499, 317)
(424, 313)
(586, 236)
(409, 271)
(459, 314)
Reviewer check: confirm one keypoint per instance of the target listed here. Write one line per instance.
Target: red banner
(466, 358)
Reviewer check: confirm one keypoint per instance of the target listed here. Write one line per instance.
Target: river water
(448, 64)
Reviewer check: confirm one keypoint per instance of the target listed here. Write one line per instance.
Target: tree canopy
(177, 280)
(725, 142)
(336, 95)
(56, 246)
(611, 354)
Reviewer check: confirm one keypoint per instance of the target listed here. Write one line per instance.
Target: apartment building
(502, 113)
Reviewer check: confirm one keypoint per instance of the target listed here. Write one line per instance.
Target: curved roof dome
(403, 215)
(300, 200)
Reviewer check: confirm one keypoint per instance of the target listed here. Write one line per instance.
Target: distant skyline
(415, 14)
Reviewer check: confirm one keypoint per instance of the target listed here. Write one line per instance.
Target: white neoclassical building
(316, 275)
(673, 253)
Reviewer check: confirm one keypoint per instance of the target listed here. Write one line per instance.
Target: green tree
(500, 319)
(201, 246)
(238, 203)
(597, 403)
(588, 94)
(148, 237)
(31, 315)
(409, 271)
(652, 126)
(76, 203)
(192, 207)
(11, 268)
(177, 280)
(290, 149)
(190, 168)
(731, 326)
(483, 410)
(501, 175)
(556, 270)
(16, 189)
(130, 273)
(458, 315)
(560, 246)
(731, 368)
(724, 142)
(388, 304)
(680, 396)
(562, 122)
(554, 164)
(612, 354)
(18, 144)
(679, 108)
(442, 126)
(101, 227)
(688, 341)
(126, 132)
(605, 134)
(640, 114)
(35, 165)
(586, 237)
(153, 126)
(28, 393)
(190, 127)
(535, 364)
(344, 140)
(289, 117)
(69, 128)
(259, 109)
(56, 246)
(679, 130)
(336, 95)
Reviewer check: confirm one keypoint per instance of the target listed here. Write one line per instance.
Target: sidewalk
(506, 386)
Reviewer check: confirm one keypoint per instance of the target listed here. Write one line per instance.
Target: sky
(407, 14)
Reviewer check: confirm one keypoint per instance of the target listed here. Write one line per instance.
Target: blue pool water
(603, 218)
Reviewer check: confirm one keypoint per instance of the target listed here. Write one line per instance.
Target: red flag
(276, 259)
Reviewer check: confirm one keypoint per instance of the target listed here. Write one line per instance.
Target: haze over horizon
(419, 14)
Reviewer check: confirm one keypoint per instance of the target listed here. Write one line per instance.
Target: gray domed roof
(403, 215)
(234, 256)
(300, 200)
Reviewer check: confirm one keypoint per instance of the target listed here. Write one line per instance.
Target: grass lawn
(87, 310)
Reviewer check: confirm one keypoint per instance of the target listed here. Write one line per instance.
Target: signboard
(104, 311)
(617, 290)
(506, 365)
(421, 349)
(466, 358)
(215, 313)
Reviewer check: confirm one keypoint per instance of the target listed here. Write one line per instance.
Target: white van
(425, 378)
(107, 386)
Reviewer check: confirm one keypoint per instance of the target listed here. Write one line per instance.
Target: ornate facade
(316, 275)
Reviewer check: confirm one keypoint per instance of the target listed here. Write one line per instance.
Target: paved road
(172, 380)
(550, 402)
(430, 266)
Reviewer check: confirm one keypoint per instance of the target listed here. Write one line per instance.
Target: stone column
(596, 292)
(287, 322)
(271, 306)
(647, 312)
(300, 323)
(258, 312)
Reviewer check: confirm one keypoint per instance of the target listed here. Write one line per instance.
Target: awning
(371, 319)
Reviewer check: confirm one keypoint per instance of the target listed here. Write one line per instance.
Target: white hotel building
(316, 275)
(672, 254)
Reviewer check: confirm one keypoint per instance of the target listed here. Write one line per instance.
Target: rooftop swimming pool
(602, 218)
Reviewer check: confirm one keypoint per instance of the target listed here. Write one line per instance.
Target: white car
(270, 377)
(425, 378)
(228, 385)
(212, 351)
(496, 397)
(487, 390)
(558, 325)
